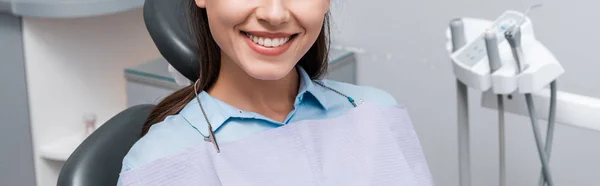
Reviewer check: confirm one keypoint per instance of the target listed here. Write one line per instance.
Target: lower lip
(268, 51)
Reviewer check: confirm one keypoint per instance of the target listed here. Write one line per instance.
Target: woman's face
(265, 38)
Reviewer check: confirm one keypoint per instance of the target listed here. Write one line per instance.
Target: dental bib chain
(211, 137)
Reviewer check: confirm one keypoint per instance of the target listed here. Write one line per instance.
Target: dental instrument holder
(471, 65)
(473, 68)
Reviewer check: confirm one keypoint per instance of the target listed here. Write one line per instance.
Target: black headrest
(166, 21)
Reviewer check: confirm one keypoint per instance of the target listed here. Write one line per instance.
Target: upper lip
(269, 34)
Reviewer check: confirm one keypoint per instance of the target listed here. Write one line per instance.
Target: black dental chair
(97, 161)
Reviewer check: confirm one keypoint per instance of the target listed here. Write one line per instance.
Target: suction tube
(493, 53)
(458, 40)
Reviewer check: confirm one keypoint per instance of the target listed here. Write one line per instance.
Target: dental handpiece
(513, 36)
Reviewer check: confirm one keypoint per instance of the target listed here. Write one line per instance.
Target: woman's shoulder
(361, 92)
(165, 138)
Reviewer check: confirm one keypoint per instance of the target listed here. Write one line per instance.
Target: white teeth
(277, 42)
(282, 41)
(268, 42)
(261, 41)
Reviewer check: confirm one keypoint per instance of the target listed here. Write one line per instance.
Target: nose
(273, 12)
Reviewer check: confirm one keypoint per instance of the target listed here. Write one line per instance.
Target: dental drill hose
(550, 131)
(513, 35)
(493, 53)
(538, 139)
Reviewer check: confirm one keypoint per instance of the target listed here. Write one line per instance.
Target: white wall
(76, 66)
(404, 54)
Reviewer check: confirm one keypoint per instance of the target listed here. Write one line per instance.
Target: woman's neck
(273, 99)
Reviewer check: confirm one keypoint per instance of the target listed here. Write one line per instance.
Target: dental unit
(504, 61)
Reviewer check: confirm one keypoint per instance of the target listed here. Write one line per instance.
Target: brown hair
(314, 62)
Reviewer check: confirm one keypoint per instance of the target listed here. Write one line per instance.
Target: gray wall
(404, 54)
(16, 153)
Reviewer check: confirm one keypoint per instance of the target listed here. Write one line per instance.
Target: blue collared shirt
(178, 132)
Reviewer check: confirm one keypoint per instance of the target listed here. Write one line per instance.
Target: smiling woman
(230, 21)
(261, 73)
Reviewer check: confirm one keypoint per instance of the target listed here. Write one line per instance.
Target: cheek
(223, 17)
(227, 12)
(310, 13)
(311, 7)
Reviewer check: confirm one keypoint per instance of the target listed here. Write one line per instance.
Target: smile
(267, 43)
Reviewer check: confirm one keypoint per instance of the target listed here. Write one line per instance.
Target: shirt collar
(218, 112)
(307, 86)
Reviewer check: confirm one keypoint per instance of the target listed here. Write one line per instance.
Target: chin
(268, 72)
